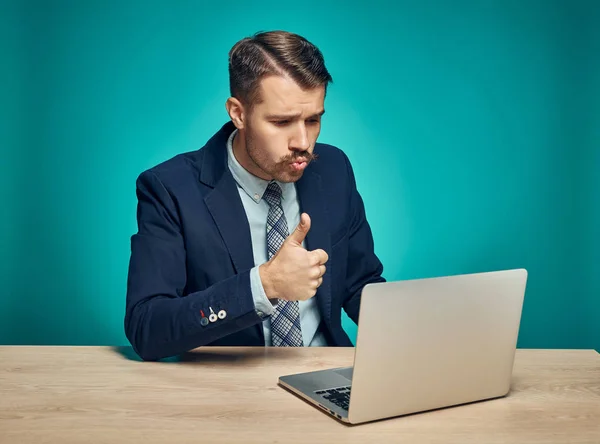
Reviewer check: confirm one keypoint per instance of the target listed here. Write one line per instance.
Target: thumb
(301, 230)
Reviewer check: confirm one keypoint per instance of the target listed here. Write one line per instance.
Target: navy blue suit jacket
(193, 251)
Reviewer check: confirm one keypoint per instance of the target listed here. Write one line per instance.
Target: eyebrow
(291, 116)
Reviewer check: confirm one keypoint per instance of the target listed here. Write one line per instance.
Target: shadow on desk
(203, 355)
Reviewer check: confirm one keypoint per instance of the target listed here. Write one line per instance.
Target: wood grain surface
(229, 395)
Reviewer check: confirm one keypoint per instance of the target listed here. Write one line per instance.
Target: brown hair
(277, 53)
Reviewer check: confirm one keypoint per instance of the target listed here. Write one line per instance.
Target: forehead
(283, 95)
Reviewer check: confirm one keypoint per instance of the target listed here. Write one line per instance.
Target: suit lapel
(227, 210)
(224, 201)
(310, 196)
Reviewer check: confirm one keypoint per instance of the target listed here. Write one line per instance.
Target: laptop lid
(429, 343)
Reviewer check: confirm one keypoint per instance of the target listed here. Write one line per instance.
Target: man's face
(281, 131)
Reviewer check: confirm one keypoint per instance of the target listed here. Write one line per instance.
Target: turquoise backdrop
(473, 128)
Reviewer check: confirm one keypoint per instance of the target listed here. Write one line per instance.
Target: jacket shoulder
(178, 169)
(330, 156)
(331, 159)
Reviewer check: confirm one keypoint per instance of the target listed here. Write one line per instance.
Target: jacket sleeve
(159, 320)
(363, 265)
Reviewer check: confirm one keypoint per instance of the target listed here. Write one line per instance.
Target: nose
(300, 140)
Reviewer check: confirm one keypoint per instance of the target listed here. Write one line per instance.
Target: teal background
(473, 128)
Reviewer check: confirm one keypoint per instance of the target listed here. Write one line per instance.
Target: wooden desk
(105, 395)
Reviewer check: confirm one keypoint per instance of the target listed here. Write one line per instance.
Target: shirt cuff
(263, 306)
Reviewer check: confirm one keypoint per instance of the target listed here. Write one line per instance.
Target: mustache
(299, 156)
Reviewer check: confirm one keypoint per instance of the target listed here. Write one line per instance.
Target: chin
(289, 177)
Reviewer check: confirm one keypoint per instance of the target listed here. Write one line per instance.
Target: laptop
(423, 344)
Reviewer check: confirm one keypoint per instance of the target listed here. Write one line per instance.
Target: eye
(313, 121)
(281, 122)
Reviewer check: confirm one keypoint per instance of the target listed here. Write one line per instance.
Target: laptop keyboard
(340, 396)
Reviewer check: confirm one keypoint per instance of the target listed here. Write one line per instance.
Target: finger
(319, 257)
(309, 295)
(301, 230)
(317, 271)
(319, 282)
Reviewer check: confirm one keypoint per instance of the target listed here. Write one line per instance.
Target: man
(260, 237)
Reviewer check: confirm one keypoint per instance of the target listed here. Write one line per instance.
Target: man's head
(278, 83)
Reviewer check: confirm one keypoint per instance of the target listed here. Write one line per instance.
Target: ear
(236, 112)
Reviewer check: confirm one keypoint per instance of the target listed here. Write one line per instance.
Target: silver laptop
(424, 344)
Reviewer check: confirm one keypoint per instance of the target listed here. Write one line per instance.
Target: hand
(293, 273)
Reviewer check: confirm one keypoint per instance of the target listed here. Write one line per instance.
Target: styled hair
(274, 53)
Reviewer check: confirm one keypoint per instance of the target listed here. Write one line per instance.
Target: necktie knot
(273, 194)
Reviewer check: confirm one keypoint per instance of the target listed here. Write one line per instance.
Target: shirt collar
(253, 186)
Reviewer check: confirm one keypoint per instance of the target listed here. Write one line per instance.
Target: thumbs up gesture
(293, 273)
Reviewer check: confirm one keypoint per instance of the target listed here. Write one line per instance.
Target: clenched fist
(293, 273)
